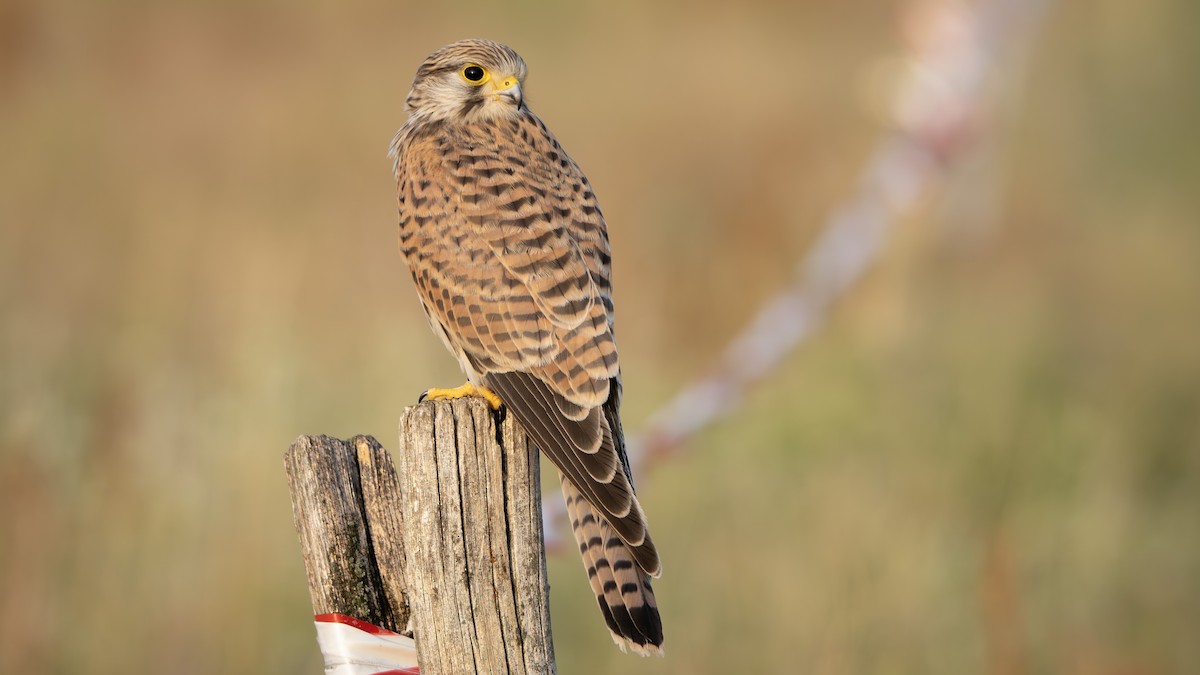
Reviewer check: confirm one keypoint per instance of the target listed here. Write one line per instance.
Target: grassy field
(987, 462)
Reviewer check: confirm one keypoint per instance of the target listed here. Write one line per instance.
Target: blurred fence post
(452, 551)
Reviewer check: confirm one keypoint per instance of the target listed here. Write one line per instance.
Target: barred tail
(621, 586)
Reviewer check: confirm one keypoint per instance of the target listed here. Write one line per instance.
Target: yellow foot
(467, 389)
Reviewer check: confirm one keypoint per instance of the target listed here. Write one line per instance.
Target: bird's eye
(474, 74)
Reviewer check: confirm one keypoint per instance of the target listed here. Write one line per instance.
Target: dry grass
(990, 461)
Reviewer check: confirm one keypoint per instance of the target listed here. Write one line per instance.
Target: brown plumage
(509, 253)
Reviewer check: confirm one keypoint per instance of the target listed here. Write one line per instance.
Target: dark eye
(473, 73)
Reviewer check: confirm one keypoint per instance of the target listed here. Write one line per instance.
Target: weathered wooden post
(346, 505)
(452, 546)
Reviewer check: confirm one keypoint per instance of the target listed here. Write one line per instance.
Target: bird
(509, 252)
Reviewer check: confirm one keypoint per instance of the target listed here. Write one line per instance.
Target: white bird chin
(498, 106)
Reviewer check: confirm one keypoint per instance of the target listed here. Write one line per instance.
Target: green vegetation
(988, 461)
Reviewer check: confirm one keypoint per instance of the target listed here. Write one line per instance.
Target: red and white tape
(354, 647)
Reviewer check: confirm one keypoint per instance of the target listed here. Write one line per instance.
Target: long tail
(621, 586)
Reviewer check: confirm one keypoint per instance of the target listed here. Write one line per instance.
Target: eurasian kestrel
(509, 252)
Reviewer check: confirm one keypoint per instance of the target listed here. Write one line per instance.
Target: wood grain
(452, 549)
(342, 564)
(473, 537)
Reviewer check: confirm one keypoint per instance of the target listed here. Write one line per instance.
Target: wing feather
(512, 263)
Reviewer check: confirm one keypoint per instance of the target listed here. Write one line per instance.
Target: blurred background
(986, 461)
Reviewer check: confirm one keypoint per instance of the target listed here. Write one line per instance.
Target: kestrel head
(469, 80)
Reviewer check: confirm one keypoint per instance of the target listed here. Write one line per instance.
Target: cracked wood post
(457, 540)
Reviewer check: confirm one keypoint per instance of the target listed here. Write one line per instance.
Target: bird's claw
(464, 391)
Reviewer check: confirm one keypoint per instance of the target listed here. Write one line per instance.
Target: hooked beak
(510, 88)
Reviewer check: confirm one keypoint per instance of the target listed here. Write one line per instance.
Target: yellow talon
(465, 390)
